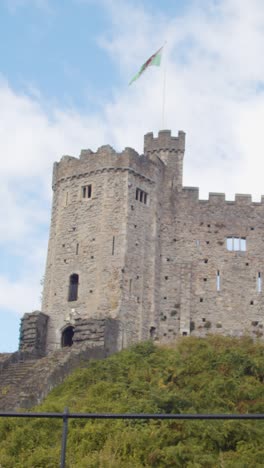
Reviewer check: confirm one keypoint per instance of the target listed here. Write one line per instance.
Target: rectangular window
(87, 191)
(236, 241)
(113, 245)
(259, 283)
(229, 243)
(141, 196)
(243, 244)
(218, 280)
(236, 244)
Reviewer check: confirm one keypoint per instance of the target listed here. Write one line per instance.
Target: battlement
(216, 198)
(105, 159)
(164, 142)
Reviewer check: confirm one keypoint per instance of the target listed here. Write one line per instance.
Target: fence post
(64, 438)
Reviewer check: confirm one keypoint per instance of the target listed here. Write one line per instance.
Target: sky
(64, 73)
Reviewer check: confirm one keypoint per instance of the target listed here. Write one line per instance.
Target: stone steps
(12, 379)
(24, 384)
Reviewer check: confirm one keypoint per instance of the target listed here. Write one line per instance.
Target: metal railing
(65, 416)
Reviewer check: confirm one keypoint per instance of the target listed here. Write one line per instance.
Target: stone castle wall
(194, 253)
(151, 264)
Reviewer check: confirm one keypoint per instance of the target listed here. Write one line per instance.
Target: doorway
(67, 337)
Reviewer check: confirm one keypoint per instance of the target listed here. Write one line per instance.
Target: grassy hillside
(212, 375)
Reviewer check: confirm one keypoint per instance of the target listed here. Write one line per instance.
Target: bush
(210, 375)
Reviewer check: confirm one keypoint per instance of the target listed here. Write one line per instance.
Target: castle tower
(135, 255)
(104, 246)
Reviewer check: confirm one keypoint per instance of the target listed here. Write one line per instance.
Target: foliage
(210, 375)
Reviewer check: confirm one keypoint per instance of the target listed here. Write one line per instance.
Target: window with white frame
(236, 244)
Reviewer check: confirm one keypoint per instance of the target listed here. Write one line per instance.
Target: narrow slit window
(77, 249)
(259, 285)
(218, 281)
(113, 245)
(73, 287)
(130, 286)
(137, 193)
(87, 191)
(66, 198)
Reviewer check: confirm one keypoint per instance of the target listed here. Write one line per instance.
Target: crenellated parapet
(105, 159)
(164, 142)
(215, 198)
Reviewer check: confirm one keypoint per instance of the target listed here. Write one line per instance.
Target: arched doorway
(67, 337)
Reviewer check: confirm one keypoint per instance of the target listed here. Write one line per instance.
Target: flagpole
(163, 99)
(164, 94)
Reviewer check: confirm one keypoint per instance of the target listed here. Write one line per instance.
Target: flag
(155, 59)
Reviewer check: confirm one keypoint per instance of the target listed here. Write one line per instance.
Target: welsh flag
(155, 59)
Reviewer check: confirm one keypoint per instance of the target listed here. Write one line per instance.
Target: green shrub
(210, 375)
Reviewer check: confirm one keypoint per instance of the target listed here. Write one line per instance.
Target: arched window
(73, 287)
(67, 337)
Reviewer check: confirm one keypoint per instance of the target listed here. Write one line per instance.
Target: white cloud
(215, 67)
(20, 296)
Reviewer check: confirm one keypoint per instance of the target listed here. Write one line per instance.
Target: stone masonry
(139, 255)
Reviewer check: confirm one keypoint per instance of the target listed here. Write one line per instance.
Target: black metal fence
(65, 416)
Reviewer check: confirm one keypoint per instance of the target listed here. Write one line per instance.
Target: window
(87, 191)
(218, 281)
(259, 283)
(141, 196)
(236, 244)
(73, 287)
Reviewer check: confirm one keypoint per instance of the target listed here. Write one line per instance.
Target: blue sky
(64, 73)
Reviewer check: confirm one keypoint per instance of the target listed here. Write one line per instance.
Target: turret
(170, 150)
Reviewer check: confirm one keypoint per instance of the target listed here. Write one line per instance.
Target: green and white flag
(155, 59)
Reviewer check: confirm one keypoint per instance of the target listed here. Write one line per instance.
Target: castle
(134, 255)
